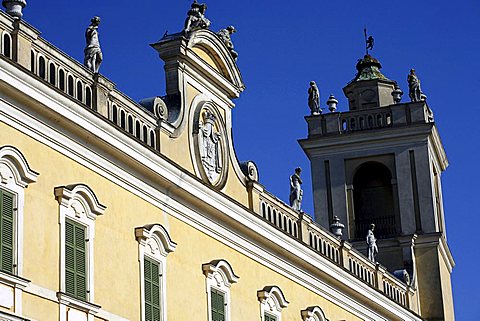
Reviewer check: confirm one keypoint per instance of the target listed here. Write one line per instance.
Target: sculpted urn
(14, 7)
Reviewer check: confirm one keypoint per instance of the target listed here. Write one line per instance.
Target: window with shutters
(7, 224)
(79, 209)
(15, 176)
(152, 289)
(272, 302)
(154, 244)
(218, 305)
(269, 317)
(219, 278)
(75, 260)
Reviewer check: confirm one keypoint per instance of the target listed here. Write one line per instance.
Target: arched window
(61, 79)
(122, 119)
(15, 176)
(219, 278)
(272, 301)
(71, 88)
(154, 244)
(138, 130)
(130, 124)
(115, 114)
(145, 134)
(88, 96)
(79, 208)
(52, 74)
(7, 45)
(33, 59)
(152, 139)
(79, 91)
(42, 68)
(373, 200)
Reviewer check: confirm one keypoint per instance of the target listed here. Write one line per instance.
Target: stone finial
(414, 91)
(93, 54)
(314, 99)
(397, 94)
(14, 7)
(336, 227)
(372, 244)
(226, 36)
(296, 192)
(196, 17)
(332, 103)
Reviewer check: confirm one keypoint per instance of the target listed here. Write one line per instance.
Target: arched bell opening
(374, 200)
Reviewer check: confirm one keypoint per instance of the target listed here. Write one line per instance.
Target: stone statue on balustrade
(372, 244)
(314, 99)
(414, 90)
(196, 17)
(296, 192)
(226, 36)
(93, 53)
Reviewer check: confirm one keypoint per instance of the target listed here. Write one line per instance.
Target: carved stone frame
(200, 103)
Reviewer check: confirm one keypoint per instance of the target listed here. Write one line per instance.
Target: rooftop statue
(93, 53)
(296, 192)
(196, 17)
(369, 41)
(314, 99)
(414, 90)
(372, 244)
(225, 36)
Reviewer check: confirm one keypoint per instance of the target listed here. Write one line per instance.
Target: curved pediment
(208, 47)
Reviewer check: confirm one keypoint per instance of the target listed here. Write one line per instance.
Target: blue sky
(282, 45)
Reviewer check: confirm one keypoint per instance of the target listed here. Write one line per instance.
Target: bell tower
(381, 162)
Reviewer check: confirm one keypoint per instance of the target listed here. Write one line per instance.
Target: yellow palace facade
(117, 210)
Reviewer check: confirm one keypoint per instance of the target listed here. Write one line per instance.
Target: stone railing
(396, 290)
(301, 227)
(279, 214)
(21, 43)
(381, 117)
(324, 242)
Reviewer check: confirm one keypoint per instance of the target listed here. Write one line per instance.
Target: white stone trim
(79, 204)
(219, 275)
(313, 314)
(272, 301)
(45, 131)
(155, 243)
(15, 175)
(53, 296)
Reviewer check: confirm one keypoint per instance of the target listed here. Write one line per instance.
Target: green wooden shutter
(218, 305)
(151, 274)
(6, 231)
(75, 260)
(269, 317)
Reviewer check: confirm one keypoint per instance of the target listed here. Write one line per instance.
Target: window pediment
(313, 313)
(221, 272)
(13, 165)
(80, 199)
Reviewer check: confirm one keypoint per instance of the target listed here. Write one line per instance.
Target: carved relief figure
(414, 90)
(314, 99)
(372, 244)
(196, 17)
(225, 36)
(93, 53)
(296, 192)
(209, 143)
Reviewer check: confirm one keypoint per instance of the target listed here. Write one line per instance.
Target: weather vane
(368, 41)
